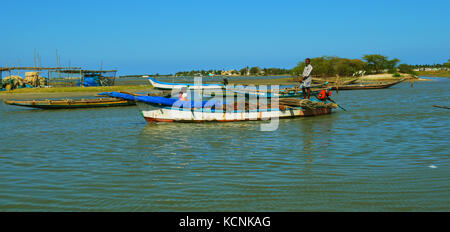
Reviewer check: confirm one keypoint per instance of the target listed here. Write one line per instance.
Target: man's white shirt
(307, 74)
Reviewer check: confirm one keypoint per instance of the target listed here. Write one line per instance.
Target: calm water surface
(389, 152)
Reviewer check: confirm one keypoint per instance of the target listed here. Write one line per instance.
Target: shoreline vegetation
(326, 67)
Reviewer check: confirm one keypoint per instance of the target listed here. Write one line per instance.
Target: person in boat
(183, 94)
(225, 81)
(306, 79)
(324, 95)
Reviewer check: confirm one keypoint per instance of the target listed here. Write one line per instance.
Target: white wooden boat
(166, 85)
(159, 113)
(161, 109)
(71, 103)
(282, 93)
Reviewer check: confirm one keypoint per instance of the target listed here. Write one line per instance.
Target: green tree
(298, 70)
(329, 66)
(244, 71)
(255, 70)
(405, 68)
(391, 65)
(447, 64)
(378, 63)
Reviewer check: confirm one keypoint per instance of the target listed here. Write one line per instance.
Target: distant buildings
(230, 72)
(431, 69)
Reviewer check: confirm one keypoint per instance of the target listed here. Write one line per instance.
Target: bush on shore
(405, 68)
(327, 66)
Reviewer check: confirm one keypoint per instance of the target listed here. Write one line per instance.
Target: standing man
(306, 78)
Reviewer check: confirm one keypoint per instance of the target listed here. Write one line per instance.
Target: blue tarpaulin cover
(163, 100)
(91, 81)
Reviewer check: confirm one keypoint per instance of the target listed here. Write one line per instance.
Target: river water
(388, 152)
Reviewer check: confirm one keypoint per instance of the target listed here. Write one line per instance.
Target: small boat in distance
(366, 86)
(443, 107)
(166, 85)
(71, 103)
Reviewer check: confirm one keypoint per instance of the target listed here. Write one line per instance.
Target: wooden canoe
(161, 109)
(348, 82)
(443, 107)
(71, 103)
(367, 86)
(160, 113)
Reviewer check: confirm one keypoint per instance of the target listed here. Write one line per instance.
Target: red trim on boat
(148, 119)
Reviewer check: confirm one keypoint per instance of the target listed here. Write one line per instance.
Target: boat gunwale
(181, 85)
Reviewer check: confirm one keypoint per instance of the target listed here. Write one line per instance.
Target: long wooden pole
(10, 69)
(35, 59)
(337, 83)
(57, 63)
(39, 62)
(114, 80)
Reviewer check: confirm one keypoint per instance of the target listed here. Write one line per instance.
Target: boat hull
(358, 87)
(71, 104)
(157, 113)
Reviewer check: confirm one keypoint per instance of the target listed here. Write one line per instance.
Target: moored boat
(366, 86)
(72, 103)
(161, 109)
(234, 90)
(443, 107)
(166, 85)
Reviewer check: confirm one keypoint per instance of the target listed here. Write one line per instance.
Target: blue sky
(139, 37)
